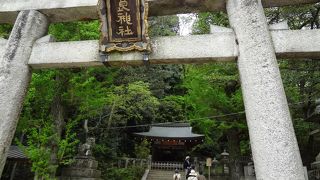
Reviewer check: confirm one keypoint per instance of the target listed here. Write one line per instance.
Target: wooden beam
(72, 10)
(221, 46)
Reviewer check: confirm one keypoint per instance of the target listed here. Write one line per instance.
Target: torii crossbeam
(273, 142)
(72, 10)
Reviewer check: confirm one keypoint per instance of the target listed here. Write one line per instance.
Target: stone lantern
(215, 163)
(225, 160)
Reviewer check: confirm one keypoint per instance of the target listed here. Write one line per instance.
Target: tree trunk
(59, 124)
(110, 117)
(236, 169)
(13, 172)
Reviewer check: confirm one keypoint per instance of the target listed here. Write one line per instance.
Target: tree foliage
(299, 77)
(5, 30)
(142, 150)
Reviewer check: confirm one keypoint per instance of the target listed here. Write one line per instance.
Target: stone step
(78, 178)
(162, 175)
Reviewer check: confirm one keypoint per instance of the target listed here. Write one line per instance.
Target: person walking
(186, 164)
(201, 176)
(176, 175)
(192, 175)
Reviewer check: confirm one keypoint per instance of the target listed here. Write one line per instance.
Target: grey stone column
(273, 142)
(15, 74)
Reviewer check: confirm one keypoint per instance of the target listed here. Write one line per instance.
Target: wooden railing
(166, 165)
(245, 159)
(130, 162)
(314, 174)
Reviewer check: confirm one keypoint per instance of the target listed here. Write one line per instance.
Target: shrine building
(170, 142)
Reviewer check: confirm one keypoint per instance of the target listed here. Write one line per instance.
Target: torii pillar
(273, 142)
(15, 74)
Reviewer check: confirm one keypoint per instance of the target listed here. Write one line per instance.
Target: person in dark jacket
(187, 166)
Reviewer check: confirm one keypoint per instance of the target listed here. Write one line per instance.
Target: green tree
(5, 30)
(163, 26)
(142, 150)
(204, 20)
(48, 118)
(51, 140)
(299, 78)
(213, 91)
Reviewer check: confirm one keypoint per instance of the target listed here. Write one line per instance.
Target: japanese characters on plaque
(124, 25)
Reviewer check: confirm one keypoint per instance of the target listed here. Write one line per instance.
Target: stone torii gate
(274, 146)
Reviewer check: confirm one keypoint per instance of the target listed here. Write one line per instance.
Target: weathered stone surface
(173, 50)
(15, 74)
(80, 172)
(83, 167)
(279, 26)
(295, 44)
(274, 146)
(86, 163)
(3, 43)
(71, 10)
(46, 39)
(190, 49)
(219, 29)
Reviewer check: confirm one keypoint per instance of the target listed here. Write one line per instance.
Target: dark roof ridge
(171, 124)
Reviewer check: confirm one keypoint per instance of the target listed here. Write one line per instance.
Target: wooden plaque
(124, 25)
(208, 162)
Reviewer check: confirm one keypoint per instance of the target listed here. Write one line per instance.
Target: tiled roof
(16, 153)
(179, 131)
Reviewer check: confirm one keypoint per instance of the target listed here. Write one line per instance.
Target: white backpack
(192, 177)
(176, 177)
